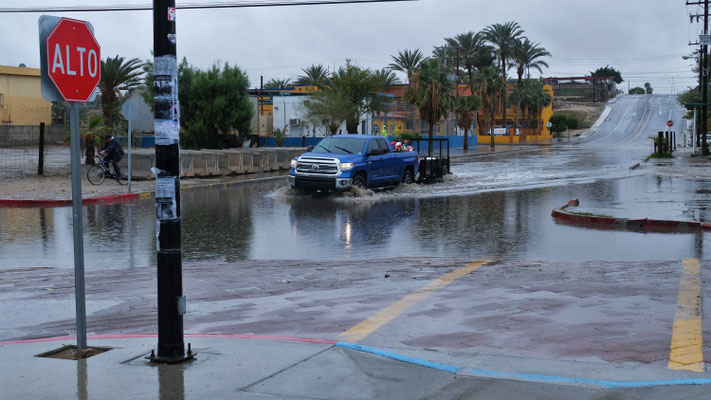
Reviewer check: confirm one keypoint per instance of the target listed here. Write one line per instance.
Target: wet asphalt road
(552, 291)
(499, 208)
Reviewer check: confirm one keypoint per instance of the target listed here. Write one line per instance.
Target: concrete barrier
(206, 162)
(141, 163)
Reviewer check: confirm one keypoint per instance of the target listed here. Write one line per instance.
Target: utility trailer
(436, 165)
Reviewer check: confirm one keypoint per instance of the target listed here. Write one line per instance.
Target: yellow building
(532, 124)
(21, 101)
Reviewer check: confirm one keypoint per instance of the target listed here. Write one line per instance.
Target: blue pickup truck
(341, 161)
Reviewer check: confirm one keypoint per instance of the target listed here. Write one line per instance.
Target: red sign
(73, 60)
(670, 123)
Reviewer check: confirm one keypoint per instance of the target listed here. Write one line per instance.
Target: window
(383, 146)
(373, 147)
(1, 100)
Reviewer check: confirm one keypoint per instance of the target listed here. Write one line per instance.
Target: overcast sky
(644, 39)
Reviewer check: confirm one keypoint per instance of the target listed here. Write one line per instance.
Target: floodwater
(490, 208)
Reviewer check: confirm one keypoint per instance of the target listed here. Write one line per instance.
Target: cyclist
(112, 151)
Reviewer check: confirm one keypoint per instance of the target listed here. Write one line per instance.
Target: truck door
(374, 162)
(389, 164)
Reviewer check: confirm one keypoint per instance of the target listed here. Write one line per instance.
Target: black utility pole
(704, 86)
(171, 302)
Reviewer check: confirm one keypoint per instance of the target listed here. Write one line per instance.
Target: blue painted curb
(487, 373)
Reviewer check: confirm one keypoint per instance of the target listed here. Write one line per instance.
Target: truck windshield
(340, 146)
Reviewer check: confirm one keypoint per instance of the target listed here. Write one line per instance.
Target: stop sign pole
(70, 59)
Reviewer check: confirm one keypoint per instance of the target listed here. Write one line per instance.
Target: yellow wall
(21, 101)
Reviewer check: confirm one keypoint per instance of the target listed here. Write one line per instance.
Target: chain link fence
(20, 151)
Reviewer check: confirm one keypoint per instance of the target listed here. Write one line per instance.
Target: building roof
(8, 70)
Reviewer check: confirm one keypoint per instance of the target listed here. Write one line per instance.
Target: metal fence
(20, 151)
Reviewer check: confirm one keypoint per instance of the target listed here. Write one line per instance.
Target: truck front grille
(317, 166)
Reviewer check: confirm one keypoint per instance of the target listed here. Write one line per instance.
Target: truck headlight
(294, 162)
(345, 166)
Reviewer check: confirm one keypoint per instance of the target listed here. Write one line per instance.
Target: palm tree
(386, 77)
(314, 75)
(534, 98)
(117, 74)
(431, 92)
(473, 53)
(526, 55)
(488, 85)
(276, 83)
(503, 37)
(406, 61)
(465, 107)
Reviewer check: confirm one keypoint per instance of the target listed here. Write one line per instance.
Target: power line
(189, 6)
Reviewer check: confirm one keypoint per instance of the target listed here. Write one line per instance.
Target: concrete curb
(119, 198)
(593, 129)
(643, 224)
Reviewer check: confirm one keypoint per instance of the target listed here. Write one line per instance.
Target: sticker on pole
(73, 60)
(171, 14)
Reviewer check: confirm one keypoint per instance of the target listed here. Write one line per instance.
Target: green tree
(504, 38)
(637, 90)
(431, 92)
(327, 110)
(407, 61)
(360, 87)
(559, 123)
(465, 108)
(275, 83)
(314, 75)
(213, 103)
(608, 71)
(526, 55)
(648, 88)
(386, 77)
(488, 85)
(117, 74)
(534, 99)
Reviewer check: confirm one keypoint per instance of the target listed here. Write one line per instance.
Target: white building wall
(290, 112)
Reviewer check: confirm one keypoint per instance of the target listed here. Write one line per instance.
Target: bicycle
(97, 173)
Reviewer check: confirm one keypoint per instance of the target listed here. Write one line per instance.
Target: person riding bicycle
(112, 151)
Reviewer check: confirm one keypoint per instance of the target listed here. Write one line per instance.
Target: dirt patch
(69, 352)
(587, 114)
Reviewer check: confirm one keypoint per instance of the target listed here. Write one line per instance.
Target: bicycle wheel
(95, 175)
(120, 177)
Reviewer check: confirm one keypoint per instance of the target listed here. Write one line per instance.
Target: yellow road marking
(394, 310)
(686, 346)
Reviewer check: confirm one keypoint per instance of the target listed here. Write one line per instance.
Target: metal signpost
(127, 111)
(70, 59)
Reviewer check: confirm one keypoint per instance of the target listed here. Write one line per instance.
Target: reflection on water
(489, 210)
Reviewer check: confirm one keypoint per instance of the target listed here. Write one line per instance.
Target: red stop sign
(670, 123)
(73, 60)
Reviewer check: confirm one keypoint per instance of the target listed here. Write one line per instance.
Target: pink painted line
(119, 198)
(191, 335)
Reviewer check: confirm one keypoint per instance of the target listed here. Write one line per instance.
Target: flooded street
(490, 208)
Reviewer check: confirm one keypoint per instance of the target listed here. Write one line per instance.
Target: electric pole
(703, 63)
(171, 302)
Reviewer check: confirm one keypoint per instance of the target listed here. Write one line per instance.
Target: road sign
(73, 60)
(670, 123)
(704, 40)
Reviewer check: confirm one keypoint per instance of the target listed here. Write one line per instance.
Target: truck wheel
(359, 181)
(407, 177)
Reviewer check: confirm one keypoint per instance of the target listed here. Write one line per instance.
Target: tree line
(214, 102)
